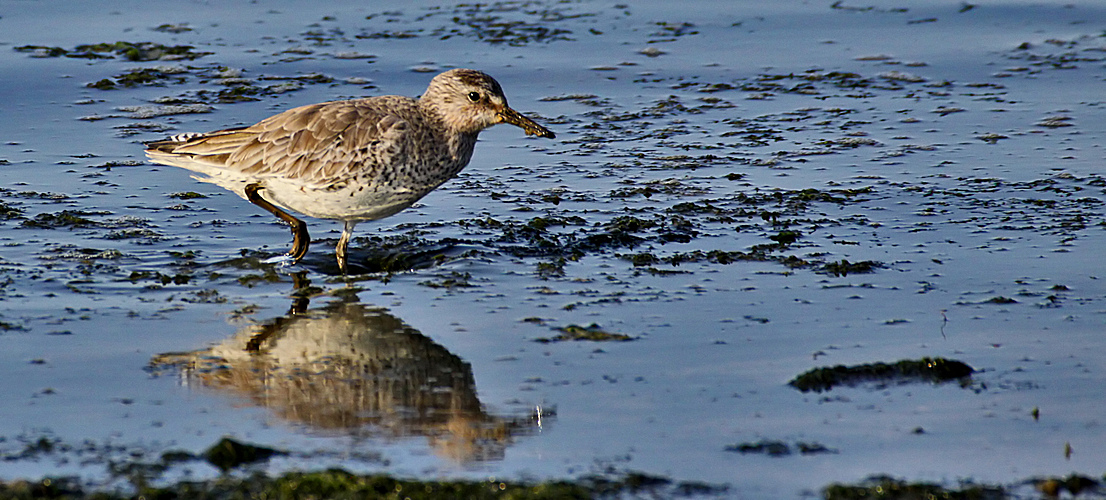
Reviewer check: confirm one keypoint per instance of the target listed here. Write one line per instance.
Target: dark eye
(474, 96)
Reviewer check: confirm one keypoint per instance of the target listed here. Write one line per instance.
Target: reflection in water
(358, 370)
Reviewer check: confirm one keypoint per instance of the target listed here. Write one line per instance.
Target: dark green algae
(333, 484)
(882, 487)
(229, 454)
(784, 215)
(340, 484)
(131, 51)
(774, 448)
(136, 77)
(934, 370)
(889, 488)
(592, 332)
(141, 479)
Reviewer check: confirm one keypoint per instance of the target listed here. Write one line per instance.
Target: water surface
(715, 165)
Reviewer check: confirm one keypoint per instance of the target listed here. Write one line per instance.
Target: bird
(351, 160)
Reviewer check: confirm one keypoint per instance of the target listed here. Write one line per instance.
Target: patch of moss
(935, 370)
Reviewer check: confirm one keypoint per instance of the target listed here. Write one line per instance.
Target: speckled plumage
(355, 160)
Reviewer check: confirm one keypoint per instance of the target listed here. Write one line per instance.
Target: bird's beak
(508, 115)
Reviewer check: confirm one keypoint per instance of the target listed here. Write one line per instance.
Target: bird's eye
(474, 96)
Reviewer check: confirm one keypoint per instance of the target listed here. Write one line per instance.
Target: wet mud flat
(853, 241)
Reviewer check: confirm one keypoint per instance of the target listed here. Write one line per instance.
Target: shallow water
(964, 164)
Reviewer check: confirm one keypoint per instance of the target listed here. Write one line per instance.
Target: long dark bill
(513, 117)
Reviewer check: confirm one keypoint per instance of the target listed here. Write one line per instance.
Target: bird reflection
(358, 370)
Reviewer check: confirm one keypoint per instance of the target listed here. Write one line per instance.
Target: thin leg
(300, 238)
(343, 242)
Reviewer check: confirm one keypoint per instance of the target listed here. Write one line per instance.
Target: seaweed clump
(774, 448)
(593, 332)
(73, 219)
(935, 370)
(140, 76)
(844, 268)
(131, 51)
(229, 454)
(8, 212)
(339, 484)
(890, 488)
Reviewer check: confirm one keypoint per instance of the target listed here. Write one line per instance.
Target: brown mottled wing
(315, 144)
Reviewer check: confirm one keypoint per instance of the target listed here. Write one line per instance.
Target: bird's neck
(460, 141)
(461, 146)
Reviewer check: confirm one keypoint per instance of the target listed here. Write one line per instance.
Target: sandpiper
(353, 160)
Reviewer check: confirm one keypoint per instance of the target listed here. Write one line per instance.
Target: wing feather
(314, 144)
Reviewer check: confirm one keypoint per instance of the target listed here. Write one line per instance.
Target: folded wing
(312, 145)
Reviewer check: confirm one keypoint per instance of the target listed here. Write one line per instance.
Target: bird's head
(469, 101)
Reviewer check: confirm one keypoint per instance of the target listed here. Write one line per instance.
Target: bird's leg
(343, 242)
(300, 238)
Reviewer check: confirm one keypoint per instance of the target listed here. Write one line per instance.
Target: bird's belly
(348, 202)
